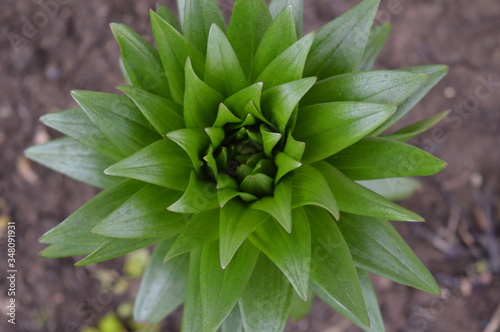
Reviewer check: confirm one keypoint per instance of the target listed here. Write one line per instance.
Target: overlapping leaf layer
(237, 149)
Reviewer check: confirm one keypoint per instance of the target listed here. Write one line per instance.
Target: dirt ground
(50, 47)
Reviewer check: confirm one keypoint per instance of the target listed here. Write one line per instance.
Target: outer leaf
(407, 133)
(279, 205)
(200, 196)
(249, 22)
(309, 187)
(144, 216)
(332, 267)
(166, 14)
(113, 248)
(141, 61)
(289, 65)
(379, 158)
(354, 198)
(71, 158)
(237, 222)
(384, 87)
(203, 228)
(376, 321)
(276, 6)
(174, 49)
(76, 228)
(328, 128)
(279, 102)
(201, 102)
(194, 141)
(125, 75)
(223, 71)
(118, 118)
(393, 188)
(339, 45)
(266, 301)
(290, 252)
(220, 289)
(233, 322)
(376, 41)
(163, 114)
(436, 73)
(76, 124)
(372, 241)
(163, 163)
(60, 250)
(192, 320)
(197, 18)
(162, 287)
(279, 36)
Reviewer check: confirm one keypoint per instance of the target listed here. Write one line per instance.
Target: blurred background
(49, 47)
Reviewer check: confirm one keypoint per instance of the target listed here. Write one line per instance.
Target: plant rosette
(253, 156)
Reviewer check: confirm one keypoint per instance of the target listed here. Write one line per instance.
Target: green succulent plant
(253, 157)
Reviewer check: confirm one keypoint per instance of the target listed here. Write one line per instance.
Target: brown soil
(71, 47)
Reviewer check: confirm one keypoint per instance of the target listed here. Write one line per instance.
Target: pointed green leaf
(339, 45)
(371, 302)
(379, 158)
(266, 301)
(225, 116)
(118, 118)
(257, 184)
(76, 228)
(163, 286)
(285, 165)
(436, 73)
(200, 101)
(277, 6)
(233, 322)
(163, 163)
(279, 205)
(393, 189)
(279, 102)
(223, 71)
(61, 250)
(372, 241)
(163, 114)
(192, 320)
(289, 65)
(76, 124)
(113, 248)
(141, 61)
(144, 215)
(174, 49)
(270, 139)
(328, 128)
(73, 159)
(249, 22)
(216, 135)
(237, 222)
(165, 13)
(300, 308)
(221, 289)
(354, 198)
(332, 267)
(198, 16)
(224, 195)
(291, 252)
(200, 196)
(294, 148)
(194, 141)
(407, 133)
(376, 41)
(279, 36)
(309, 187)
(238, 102)
(126, 76)
(383, 86)
(201, 229)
